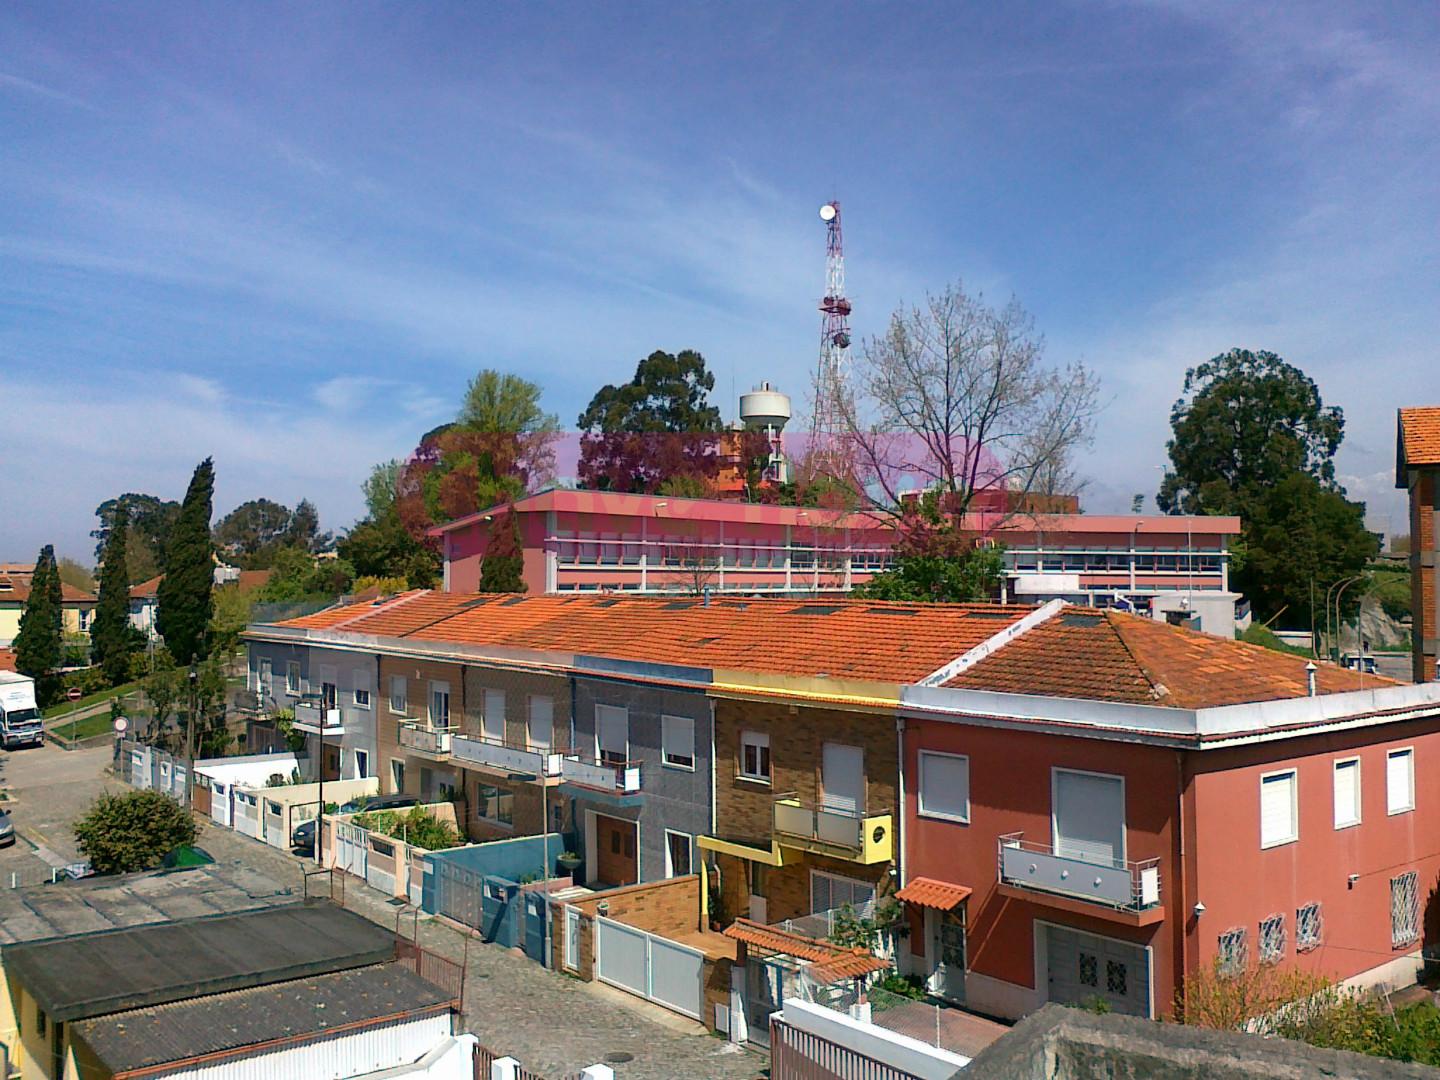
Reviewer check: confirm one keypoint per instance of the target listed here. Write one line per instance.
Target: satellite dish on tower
(828, 212)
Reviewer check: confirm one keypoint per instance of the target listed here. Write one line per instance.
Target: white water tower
(768, 410)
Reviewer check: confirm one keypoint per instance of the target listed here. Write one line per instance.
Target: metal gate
(652, 967)
(1083, 968)
(498, 912)
(350, 848)
(458, 892)
(537, 925)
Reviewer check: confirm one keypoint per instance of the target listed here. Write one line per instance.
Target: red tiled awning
(928, 892)
(848, 966)
(829, 963)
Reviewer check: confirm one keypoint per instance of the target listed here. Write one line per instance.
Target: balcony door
(1089, 816)
(842, 778)
(612, 734)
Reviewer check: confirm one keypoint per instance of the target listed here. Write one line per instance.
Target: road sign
(74, 693)
(120, 725)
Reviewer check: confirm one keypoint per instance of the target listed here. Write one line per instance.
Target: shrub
(133, 831)
(417, 826)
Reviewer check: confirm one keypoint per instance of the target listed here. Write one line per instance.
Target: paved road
(1395, 665)
(552, 1023)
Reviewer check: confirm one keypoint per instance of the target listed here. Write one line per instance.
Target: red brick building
(1417, 470)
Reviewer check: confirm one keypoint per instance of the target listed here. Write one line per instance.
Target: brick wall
(418, 675)
(1423, 558)
(527, 809)
(518, 687)
(797, 737)
(788, 887)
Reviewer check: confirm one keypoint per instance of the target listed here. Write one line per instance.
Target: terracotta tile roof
(147, 590)
(829, 962)
(7, 659)
(1114, 656)
(396, 616)
(1420, 435)
(18, 592)
(927, 892)
(250, 580)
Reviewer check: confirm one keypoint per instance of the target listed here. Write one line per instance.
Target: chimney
(1310, 670)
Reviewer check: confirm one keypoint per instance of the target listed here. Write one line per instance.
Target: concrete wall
(674, 798)
(351, 670)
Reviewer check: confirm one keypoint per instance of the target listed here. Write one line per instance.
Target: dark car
(302, 837)
(370, 803)
(7, 829)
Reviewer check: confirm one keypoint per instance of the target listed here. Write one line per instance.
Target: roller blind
(1399, 781)
(1347, 793)
(1277, 808)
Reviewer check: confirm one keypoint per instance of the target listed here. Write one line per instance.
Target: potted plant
(569, 861)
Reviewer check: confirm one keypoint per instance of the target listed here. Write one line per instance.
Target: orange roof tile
(829, 962)
(1114, 656)
(846, 967)
(19, 592)
(376, 618)
(927, 892)
(7, 659)
(1420, 435)
(147, 589)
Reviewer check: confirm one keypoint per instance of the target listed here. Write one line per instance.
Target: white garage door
(1083, 967)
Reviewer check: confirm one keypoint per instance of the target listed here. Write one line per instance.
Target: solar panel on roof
(1007, 616)
(607, 603)
(677, 605)
(475, 603)
(813, 609)
(1081, 620)
(513, 600)
(892, 611)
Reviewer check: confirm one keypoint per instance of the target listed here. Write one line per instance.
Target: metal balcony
(1132, 887)
(488, 753)
(427, 742)
(620, 777)
(315, 717)
(862, 838)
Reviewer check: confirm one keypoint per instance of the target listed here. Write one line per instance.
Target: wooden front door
(617, 862)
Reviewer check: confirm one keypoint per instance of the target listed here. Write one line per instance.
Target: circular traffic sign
(121, 724)
(74, 693)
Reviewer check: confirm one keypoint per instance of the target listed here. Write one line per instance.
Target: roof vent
(1310, 670)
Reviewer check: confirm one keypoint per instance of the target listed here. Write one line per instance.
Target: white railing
(315, 718)
(425, 740)
(1126, 886)
(539, 761)
(623, 778)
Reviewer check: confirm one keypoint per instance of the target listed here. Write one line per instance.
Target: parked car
(302, 838)
(7, 829)
(1365, 664)
(370, 803)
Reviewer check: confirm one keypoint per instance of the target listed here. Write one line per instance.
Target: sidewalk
(553, 1024)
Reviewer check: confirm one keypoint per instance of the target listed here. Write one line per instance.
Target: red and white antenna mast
(828, 424)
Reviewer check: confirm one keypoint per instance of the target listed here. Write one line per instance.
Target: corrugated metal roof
(92, 974)
(164, 1034)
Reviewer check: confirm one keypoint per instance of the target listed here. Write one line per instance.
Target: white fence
(652, 967)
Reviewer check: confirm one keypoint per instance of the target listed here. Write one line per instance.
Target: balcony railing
(1115, 883)
(537, 761)
(431, 742)
(316, 717)
(622, 777)
(859, 837)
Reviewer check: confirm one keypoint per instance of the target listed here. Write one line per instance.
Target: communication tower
(828, 423)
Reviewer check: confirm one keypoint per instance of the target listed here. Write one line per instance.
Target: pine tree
(38, 647)
(110, 632)
(502, 568)
(185, 600)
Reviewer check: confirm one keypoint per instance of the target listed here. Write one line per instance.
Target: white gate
(350, 848)
(652, 967)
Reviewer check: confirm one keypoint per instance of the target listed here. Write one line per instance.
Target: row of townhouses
(1061, 803)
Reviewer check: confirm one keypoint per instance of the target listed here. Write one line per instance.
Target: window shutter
(542, 721)
(1276, 808)
(613, 729)
(1398, 781)
(492, 723)
(1347, 806)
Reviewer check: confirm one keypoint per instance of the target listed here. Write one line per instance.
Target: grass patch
(64, 708)
(1264, 636)
(89, 727)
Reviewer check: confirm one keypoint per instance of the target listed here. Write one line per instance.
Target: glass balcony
(620, 777)
(476, 750)
(1113, 883)
(427, 742)
(862, 838)
(316, 717)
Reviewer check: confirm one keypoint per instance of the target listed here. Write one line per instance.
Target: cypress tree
(110, 633)
(38, 647)
(185, 600)
(502, 568)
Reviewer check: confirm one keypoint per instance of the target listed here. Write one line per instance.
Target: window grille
(1272, 939)
(1404, 909)
(1234, 952)
(1307, 928)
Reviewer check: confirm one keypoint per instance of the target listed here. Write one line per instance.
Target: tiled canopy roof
(829, 962)
(1113, 656)
(1420, 435)
(927, 892)
(842, 639)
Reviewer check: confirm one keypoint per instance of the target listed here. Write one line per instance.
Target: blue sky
(287, 235)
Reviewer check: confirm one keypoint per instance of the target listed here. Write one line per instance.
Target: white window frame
(669, 865)
(530, 740)
(492, 719)
(1347, 822)
(942, 815)
(667, 728)
(360, 687)
(1055, 772)
(761, 741)
(361, 758)
(437, 686)
(295, 685)
(400, 703)
(397, 775)
(1294, 835)
(1408, 752)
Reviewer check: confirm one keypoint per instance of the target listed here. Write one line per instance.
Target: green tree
(963, 575)
(1245, 421)
(186, 595)
(304, 529)
(38, 645)
(110, 632)
(379, 489)
(384, 549)
(232, 615)
(253, 527)
(76, 575)
(502, 403)
(150, 521)
(502, 567)
(297, 575)
(134, 831)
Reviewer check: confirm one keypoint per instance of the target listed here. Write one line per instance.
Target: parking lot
(49, 789)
